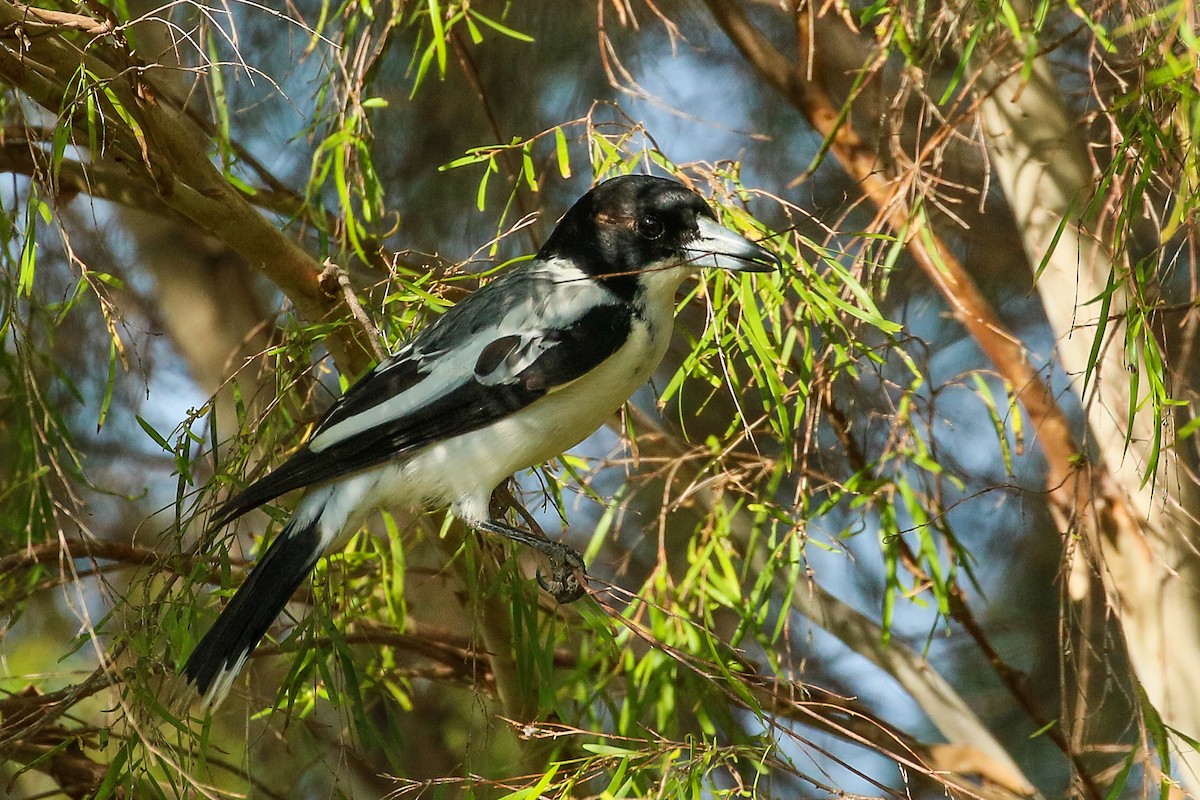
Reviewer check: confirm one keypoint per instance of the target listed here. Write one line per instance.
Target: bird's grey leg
(565, 564)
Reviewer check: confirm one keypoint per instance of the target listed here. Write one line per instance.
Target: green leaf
(609, 750)
(562, 152)
(116, 769)
(28, 260)
(499, 28)
(527, 170)
(438, 43)
(106, 401)
(536, 790)
(155, 435)
(474, 156)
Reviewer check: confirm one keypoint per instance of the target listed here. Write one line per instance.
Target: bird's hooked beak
(719, 247)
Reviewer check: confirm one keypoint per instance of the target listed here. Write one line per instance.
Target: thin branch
(463, 55)
(37, 18)
(52, 552)
(960, 611)
(336, 281)
(791, 701)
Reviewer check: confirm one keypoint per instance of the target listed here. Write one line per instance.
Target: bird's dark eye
(650, 227)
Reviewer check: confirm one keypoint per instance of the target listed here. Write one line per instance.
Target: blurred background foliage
(825, 555)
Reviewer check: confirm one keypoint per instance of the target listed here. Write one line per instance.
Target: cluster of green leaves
(42, 309)
(343, 173)
(62, 361)
(1155, 161)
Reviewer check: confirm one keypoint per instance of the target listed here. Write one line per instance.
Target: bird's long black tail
(220, 655)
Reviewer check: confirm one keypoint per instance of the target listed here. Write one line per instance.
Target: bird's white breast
(464, 470)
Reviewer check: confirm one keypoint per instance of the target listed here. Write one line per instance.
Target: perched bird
(522, 369)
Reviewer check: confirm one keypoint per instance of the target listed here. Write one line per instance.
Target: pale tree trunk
(1145, 558)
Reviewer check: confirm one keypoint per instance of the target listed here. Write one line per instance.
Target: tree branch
(52, 552)
(102, 180)
(167, 145)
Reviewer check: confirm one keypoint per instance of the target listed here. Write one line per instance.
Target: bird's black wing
(507, 374)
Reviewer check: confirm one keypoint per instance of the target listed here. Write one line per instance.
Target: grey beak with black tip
(719, 247)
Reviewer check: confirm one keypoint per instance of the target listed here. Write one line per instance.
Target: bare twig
(335, 281)
(38, 17)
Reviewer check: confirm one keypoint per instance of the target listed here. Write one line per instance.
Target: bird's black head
(635, 223)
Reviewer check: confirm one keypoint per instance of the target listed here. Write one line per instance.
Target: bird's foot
(566, 569)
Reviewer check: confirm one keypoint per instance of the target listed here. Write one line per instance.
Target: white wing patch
(526, 349)
(570, 297)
